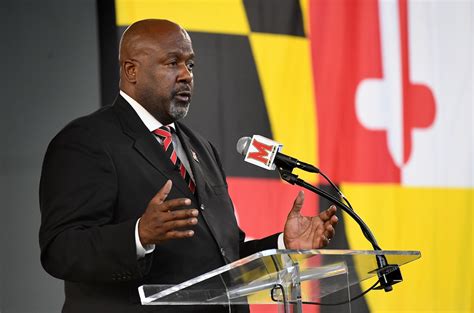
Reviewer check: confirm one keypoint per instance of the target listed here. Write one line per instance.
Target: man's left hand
(308, 232)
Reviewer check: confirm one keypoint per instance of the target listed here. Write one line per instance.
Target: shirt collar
(149, 120)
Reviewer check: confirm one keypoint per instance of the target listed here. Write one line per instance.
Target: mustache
(185, 90)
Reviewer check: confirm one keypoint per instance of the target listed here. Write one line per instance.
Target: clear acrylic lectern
(283, 277)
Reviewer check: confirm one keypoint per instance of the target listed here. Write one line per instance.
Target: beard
(178, 110)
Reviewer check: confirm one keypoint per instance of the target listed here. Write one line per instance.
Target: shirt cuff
(281, 242)
(141, 250)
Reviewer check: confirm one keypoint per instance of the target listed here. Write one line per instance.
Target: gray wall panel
(50, 76)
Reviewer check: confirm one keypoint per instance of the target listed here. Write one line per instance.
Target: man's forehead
(159, 36)
(172, 43)
(151, 36)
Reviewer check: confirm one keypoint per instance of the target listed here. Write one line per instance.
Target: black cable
(279, 286)
(337, 189)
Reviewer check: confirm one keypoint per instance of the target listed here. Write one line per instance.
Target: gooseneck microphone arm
(388, 274)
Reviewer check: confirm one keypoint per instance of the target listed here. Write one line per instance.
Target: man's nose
(185, 74)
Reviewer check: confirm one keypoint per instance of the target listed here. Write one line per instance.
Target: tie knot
(163, 132)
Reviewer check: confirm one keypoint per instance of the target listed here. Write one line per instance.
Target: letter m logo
(262, 153)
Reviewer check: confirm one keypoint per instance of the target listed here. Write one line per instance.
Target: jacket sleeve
(253, 246)
(78, 239)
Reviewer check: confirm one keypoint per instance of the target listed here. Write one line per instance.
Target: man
(105, 229)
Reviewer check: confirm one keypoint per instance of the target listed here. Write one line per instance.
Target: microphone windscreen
(243, 145)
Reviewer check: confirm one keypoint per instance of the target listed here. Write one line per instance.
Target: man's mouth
(183, 96)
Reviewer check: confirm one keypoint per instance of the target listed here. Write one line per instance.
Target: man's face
(164, 76)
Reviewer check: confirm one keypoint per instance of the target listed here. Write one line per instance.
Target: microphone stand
(388, 274)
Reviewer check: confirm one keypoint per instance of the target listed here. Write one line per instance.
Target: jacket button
(203, 207)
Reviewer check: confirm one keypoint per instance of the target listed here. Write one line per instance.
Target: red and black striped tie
(164, 133)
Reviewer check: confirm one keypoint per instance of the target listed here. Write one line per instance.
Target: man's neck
(149, 120)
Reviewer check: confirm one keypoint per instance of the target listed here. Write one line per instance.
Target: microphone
(265, 153)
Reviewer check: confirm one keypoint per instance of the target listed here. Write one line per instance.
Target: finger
(298, 204)
(329, 232)
(326, 215)
(173, 204)
(332, 221)
(321, 240)
(324, 241)
(173, 225)
(175, 234)
(161, 195)
(179, 215)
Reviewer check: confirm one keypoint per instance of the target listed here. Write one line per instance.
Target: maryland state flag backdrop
(378, 94)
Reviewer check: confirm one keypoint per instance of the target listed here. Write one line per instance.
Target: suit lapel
(146, 145)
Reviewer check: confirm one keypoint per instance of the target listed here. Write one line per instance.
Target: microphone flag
(262, 152)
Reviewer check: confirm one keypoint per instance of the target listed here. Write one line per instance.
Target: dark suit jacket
(99, 174)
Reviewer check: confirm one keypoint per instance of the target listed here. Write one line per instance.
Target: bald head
(141, 37)
(156, 60)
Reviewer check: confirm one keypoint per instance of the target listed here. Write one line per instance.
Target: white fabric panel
(441, 57)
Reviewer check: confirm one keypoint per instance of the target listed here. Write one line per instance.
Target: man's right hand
(162, 221)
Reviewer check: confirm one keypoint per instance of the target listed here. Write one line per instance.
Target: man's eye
(190, 66)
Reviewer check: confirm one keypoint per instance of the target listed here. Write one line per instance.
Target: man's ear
(129, 69)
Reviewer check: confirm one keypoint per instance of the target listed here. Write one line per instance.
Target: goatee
(178, 111)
